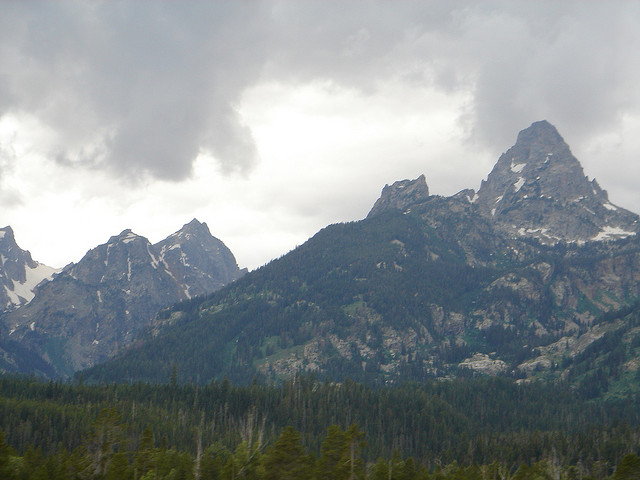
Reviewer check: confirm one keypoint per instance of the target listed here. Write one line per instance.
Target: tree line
(432, 428)
(107, 453)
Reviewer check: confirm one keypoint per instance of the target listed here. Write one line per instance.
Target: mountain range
(534, 275)
(91, 309)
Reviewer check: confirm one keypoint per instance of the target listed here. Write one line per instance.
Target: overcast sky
(271, 120)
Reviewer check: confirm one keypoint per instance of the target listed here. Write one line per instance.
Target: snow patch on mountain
(517, 167)
(518, 185)
(129, 237)
(21, 293)
(609, 233)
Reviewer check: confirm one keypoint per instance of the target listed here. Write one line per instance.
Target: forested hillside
(337, 286)
(389, 298)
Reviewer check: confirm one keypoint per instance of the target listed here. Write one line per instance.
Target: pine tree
(119, 468)
(628, 468)
(332, 464)
(380, 470)
(213, 461)
(287, 459)
(143, 459)
(106, 435)
(355, 443)
(5, 456)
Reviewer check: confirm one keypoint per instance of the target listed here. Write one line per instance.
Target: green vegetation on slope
(380, 264)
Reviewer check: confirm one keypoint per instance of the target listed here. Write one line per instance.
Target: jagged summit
(541, 133)
(200, 262)
(540, 163)
(19, 273)
(538, 188)
(6, 234)
(97, 306)
(194, 227)
(126, 236)
(401, 195)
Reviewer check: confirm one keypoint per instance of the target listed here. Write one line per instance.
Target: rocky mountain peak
(541, 133)
(538, 188)
(6, 235)
(126, 236)
(11, 254)
(200, 262)
(193, 228)
(401, 195)
(19, 273)
(540, 164)
(96, 306)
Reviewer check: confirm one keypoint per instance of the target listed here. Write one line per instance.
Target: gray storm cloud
(140, 88)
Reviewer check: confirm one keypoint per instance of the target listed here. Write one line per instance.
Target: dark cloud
(142, 87)
(572, 63)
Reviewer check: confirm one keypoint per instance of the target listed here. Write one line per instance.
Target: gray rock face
(401, 195)
(199, 262)
(97, 306)
(538, 189)
(19, 273)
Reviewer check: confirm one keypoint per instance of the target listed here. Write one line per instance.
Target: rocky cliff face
(97, 306)
(198, 261)
(401, 195)
(19, 273)
(538, 189)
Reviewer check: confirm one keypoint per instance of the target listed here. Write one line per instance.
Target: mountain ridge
(426, 286)
(96, 306)
(536, 189)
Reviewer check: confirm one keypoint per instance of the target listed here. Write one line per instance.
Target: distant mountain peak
(195, 223)
(126, 236)
(401, 195)
(541, 132)
(539, 189)
(191, 246)
(540, 156)
(7, 233)
(194, 227)
(19, 273)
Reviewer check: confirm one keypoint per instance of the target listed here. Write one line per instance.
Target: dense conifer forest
(484, 428)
